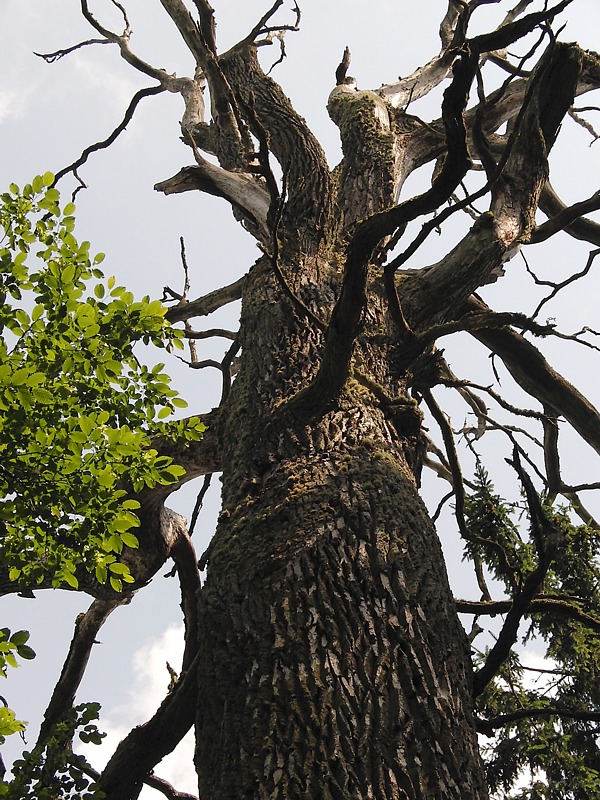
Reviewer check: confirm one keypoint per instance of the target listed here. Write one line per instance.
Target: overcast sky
(48, 114)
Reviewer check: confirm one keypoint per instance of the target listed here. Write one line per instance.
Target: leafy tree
(78, 412)
(324, 654)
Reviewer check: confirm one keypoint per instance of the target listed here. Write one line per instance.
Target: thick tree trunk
(333, 661)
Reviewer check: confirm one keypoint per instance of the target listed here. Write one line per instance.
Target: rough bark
(333, 664)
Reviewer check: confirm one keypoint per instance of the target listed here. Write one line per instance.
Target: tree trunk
(333, 663)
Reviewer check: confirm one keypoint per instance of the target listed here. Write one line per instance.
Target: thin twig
(51, 58)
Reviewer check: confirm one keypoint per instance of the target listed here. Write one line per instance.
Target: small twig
(262, 29)
(521, 412)
(584, 124)
(440, 506)
(558, 286)
(50, 58)
(208, 362)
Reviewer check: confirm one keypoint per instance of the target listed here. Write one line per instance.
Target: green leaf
(20, 637)
(26, 652)
(130, 540)
(42, 395)
(70, 579)
(118, 568)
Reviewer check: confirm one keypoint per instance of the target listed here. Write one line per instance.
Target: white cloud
(14, 102)
(149, 680)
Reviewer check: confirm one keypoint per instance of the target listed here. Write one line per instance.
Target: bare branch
(138, 96)
(203, 306)
(342, 70)
(50, 58)
(190, 334)
(147, 744)
(199, 502)
(539, 605)
(122, 40)
(584, 124)
(564, 219)
(242, 191)
(580, 228)
(533, 373)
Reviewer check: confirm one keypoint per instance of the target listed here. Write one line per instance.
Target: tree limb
(203, 306)
(239, 189)
(532, 372)
(537, 606)
(147, 744)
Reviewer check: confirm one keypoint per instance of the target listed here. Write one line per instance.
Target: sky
(49, 113)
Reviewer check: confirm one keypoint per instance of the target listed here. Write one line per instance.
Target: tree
(324, 653)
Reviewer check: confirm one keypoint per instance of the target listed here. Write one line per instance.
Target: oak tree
(324, 653)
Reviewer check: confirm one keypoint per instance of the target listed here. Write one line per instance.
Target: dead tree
(325, 656)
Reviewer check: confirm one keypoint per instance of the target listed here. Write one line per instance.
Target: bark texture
(333, 664)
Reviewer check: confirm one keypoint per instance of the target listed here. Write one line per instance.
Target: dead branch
(199, 502)
(564, 219)
(241, 190)
(122, 41)
(138, 96)
(584, 124)
(521, 412)
(262, 29)
(50, 58)
(146, 745)
(208, 334)
(532, 372)
(203, 306)
(580, 228)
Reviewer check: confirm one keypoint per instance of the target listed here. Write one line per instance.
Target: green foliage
(494, 536)
(551, 719)
(12, 645)
(77, 408)
(54, 770)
